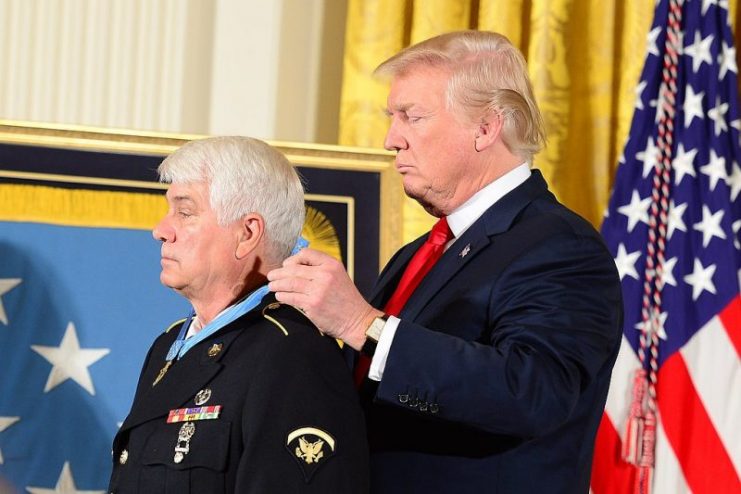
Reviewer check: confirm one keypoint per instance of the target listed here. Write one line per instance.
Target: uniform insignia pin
(465, 251)
(215, 349)
(203, 396)
(311, 448)
(182, 447)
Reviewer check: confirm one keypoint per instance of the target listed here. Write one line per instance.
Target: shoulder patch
(311, 448)
(176, 323)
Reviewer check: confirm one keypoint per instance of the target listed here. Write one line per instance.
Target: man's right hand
(319, 286)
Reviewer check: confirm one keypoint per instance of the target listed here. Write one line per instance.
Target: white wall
(255, 67)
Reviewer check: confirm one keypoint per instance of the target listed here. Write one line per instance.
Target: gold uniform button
(123, 457)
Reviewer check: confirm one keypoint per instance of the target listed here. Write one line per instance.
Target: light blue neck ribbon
(181, 345)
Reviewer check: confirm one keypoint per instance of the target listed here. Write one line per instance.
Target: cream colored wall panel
(256, 67)
(112, 63)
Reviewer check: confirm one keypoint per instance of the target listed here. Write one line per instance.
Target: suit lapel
(496, 220)
(391, 274)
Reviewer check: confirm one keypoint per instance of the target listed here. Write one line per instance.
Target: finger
(294, 299)
(295, 271)
(289, 285)
(308, 257)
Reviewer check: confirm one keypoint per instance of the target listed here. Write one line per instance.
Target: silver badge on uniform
(203, 396)
(182, 447)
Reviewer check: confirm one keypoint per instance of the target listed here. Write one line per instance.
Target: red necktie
(418, 267)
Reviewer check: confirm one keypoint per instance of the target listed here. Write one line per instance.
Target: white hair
(244, 175)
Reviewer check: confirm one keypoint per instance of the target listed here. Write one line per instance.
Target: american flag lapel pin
(465, 251)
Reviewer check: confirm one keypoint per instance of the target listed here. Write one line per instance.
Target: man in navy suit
(493, 374)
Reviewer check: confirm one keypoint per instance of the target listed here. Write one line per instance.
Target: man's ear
(488, 131)
(251, 232)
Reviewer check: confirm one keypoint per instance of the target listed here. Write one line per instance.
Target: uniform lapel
(182, 381)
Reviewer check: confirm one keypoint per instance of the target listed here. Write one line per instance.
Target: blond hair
(488, 76)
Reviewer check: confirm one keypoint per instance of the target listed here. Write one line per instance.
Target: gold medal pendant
(162, 373)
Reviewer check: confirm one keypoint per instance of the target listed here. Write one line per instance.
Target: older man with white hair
(245, 395)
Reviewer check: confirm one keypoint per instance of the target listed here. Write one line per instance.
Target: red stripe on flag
(731, 319)
(705, 463)
(610, 474)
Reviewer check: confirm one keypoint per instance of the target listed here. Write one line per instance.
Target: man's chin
(169, 282)
(420, 198)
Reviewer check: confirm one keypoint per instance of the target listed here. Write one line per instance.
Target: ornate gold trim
(162, 143)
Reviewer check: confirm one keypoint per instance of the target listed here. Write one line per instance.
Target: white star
(65, 484)
(706, 5)
(658, 103)
(717, 115)
(626, 262)
(675, 221)
(649, 157)
(668, 271)
(660, 330)
(701, 279)
(683, 164)
(699, 51)
(639, 95)
(710, 225)
(727, 60)
(734, 181)
(636, 211)
(715, 169)
(6, 285)
(692, 105)
(6, 422)
(69, 361)
(651, 41)
(736, 228)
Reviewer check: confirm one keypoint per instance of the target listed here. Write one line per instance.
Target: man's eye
(184, 214)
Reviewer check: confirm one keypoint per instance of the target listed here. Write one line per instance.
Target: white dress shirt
(459, 221)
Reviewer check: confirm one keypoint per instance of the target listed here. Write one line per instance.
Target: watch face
(374, 331)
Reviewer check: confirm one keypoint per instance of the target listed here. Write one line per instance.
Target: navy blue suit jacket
(498, 373)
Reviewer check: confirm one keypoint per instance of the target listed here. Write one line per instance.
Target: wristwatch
(373, 334)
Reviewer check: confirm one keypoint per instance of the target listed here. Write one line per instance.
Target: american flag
(673, 225)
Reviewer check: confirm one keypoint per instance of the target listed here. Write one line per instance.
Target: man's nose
(394, 141)
(163, 232)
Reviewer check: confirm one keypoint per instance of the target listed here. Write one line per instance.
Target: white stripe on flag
(620, 397)
(668, 477)
(715, 370)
